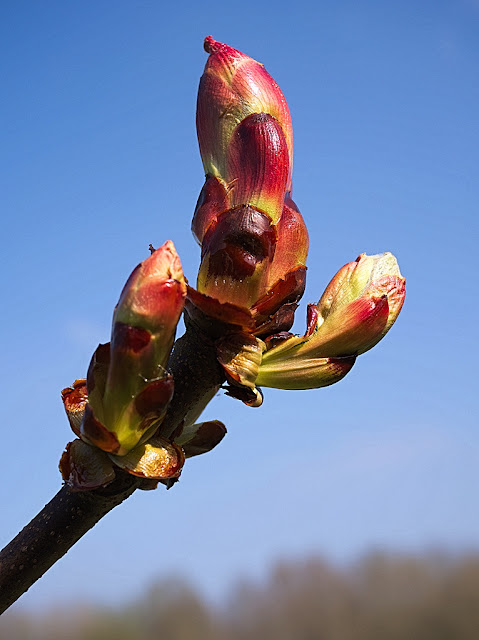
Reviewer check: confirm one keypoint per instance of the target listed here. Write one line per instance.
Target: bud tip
(211, 46)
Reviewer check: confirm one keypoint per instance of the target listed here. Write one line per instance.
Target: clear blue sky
(99, 158)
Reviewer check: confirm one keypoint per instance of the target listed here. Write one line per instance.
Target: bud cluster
(254, 245)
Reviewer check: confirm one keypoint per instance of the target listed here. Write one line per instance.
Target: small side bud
(128, 386)
(357, 309)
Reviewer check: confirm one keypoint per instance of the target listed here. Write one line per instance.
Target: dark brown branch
(68, 516)
(61, 523)
(197, 375)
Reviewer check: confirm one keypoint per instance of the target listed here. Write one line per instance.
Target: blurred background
(368, 486)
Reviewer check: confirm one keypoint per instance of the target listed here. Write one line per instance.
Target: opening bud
(357, 309)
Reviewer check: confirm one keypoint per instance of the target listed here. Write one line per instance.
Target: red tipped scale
(232, 87)
(74, 400)
(95, 432)
(85, 468)
(293, 243)
(212, 202)
(258, 165)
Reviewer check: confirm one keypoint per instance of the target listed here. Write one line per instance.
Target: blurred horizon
(100, 159)
(379, 595)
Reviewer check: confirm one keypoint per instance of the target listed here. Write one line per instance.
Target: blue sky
(99, 158)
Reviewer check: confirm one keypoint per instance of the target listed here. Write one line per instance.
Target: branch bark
(69, 515)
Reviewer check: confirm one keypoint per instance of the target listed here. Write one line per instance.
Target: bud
(357, 309)
(366, 296)
(128, 386)
(254, 241)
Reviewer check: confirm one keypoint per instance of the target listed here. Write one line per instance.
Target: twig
(69, 515)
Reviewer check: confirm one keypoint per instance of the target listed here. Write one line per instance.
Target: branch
(58, 526)
(69, 515)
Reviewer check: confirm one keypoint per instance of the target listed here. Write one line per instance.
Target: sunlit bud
(128, 386)
(232, 87)
(156, 459)
(358, 307)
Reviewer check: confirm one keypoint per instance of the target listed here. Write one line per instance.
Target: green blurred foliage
(383, 596)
